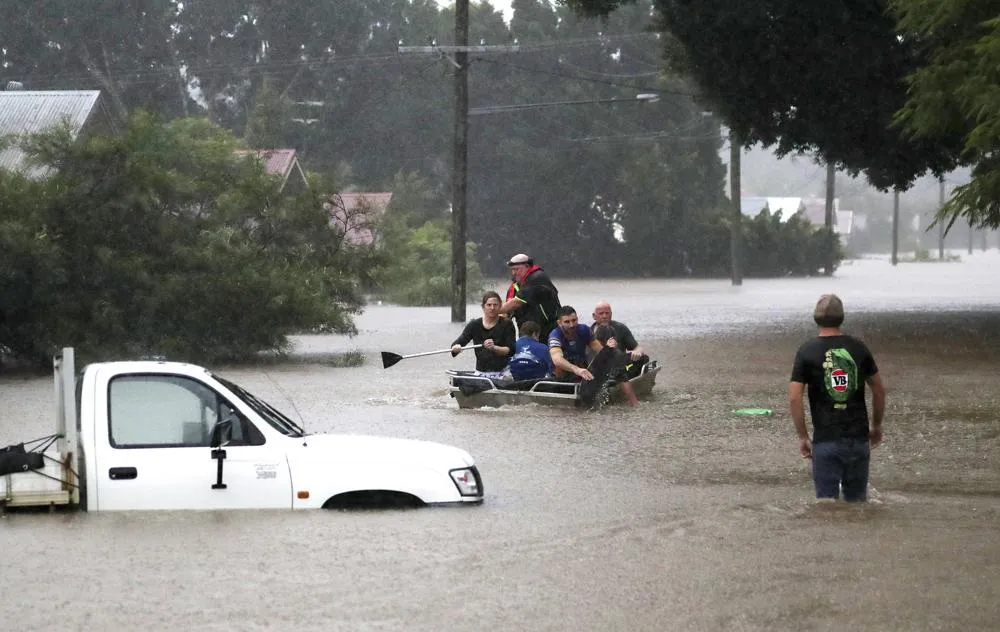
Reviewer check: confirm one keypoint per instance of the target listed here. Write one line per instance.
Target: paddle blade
(389, 359)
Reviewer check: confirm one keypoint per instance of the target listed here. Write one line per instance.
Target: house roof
(31, 111)
(277, 162)
(356, 212)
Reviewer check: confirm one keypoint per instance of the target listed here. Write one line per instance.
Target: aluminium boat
(472, 389)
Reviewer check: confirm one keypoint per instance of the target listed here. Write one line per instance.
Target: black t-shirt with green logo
(835, 368)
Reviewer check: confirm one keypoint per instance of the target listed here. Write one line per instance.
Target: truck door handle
(122, 473)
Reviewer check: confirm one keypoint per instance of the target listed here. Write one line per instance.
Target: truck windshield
(278, 420)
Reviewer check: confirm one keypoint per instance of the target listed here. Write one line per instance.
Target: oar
(389, 358)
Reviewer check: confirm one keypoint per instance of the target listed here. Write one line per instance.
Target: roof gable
(277, 162)
(31, 112)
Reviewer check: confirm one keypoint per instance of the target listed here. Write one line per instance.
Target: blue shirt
(531, 360)
(574, 350)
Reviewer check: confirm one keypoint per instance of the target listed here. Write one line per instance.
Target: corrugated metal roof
(29, 112)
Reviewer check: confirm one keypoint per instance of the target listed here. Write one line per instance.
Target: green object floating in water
(753, 411)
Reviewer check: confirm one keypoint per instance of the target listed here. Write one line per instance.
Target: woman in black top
(494, 333)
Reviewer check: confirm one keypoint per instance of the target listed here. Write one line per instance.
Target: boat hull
(476, 391)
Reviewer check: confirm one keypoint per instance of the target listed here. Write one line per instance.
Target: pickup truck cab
(168, 435)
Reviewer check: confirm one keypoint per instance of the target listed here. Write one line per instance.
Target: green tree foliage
(818, 77)
(956, 95)
(124, 48)
(162, 241)
(588, 189)
(773, 247)
(415, 243)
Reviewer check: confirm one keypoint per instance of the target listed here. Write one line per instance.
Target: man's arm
(520, 298)
(560, 362)
(878, 409)
(796, 407)
(511, 305)
(629, 344)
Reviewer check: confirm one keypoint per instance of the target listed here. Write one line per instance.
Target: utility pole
(460, 167)
(460, 173)
(736, 229)
(828, 216)
(895, 226)
(940, 221)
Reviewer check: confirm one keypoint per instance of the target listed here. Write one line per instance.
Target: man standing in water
(836, 367)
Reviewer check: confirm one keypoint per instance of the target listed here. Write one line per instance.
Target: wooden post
(459, 221)
(829, 215)
(895, 227)
(940, 223)
(736, 229)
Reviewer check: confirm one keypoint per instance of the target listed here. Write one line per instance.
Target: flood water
(675, 515)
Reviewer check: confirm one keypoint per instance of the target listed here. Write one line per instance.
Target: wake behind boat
(475, 390)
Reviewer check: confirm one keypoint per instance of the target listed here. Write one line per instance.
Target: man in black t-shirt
(624, 339)
(835, 368)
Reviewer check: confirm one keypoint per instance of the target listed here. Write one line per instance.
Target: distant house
(815, 212)
(31, 112)
(357, 213)
(751, 206)
(282, 163)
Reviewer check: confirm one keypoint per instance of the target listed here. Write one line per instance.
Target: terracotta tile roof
(355, 213)
(278, 162)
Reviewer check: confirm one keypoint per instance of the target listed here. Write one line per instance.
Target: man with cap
(532, 297)
(836, 368)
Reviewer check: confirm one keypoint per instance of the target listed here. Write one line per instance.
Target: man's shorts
(842, 465)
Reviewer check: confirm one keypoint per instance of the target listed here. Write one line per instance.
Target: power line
(614, 84)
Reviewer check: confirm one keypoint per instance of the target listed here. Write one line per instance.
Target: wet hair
(530, 328)
(565, 310)
(491, 294)
(829, 311)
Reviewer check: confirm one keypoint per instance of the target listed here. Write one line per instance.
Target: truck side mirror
(222, 433)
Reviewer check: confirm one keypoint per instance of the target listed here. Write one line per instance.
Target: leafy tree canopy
(824, 77)
(956, 94)
(162, 241)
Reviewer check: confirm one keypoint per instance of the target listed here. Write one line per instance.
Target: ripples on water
(677, 515)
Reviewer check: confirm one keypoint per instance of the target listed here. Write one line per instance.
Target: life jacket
(512, 290)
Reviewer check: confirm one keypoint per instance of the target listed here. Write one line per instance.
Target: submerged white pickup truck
(167, 435)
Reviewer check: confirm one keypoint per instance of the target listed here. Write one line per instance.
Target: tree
(415, 247)
(790, 74)
(125, 49)
(162, 241)
(956, 94)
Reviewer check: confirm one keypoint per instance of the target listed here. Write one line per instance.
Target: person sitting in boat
(614, 361)
(568, 344)
(531, 359)
(623, 337)
(495, 334)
